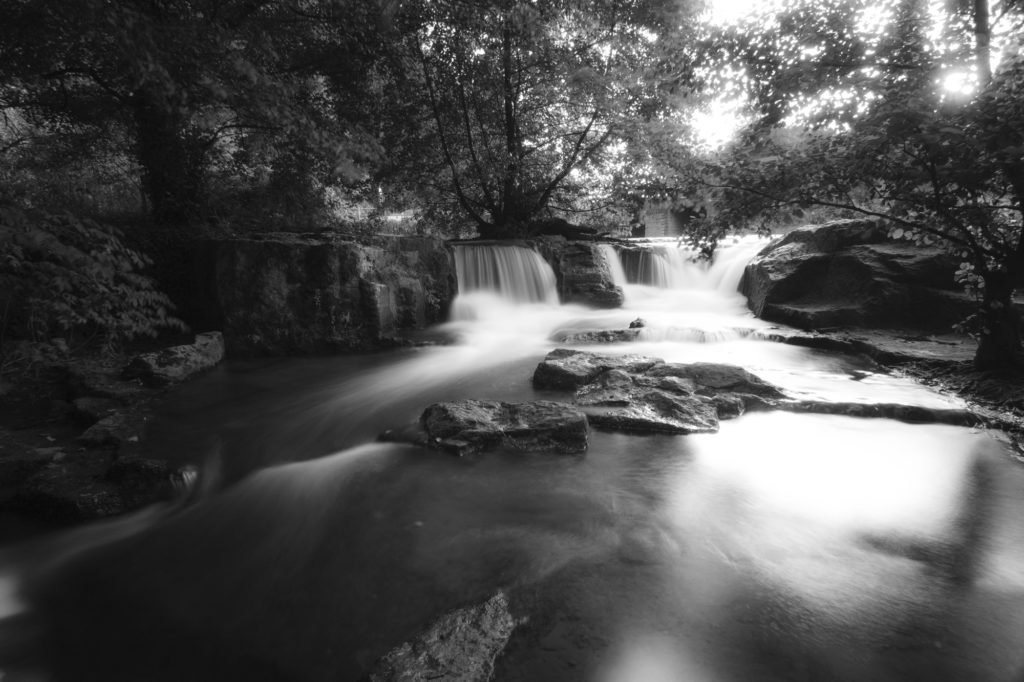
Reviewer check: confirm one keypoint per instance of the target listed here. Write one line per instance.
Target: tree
(194, 86)
(523, 96)
(939, 170)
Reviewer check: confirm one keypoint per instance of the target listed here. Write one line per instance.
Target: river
(784, 547)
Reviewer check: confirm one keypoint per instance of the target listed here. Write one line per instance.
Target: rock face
(583, 272)
(848, 273)
(177, 363)
(461, 646)
(283, 293)
(467, 427)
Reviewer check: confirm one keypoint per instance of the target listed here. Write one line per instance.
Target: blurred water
(784, 547)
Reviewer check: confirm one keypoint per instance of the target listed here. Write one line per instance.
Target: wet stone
(566, 369)
(467, 427)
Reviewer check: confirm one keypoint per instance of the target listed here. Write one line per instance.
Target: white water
(513, 273)
(783, 547)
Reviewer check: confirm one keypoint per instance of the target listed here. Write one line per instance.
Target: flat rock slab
(467, 427)
(637, 393)
(566, 369)
(460, 646)
(177, 363)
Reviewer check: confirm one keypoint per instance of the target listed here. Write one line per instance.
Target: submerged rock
(467, 427)
(849, 273)
(460, 646)
(177, 363)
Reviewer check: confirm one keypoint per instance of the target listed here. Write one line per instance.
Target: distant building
(669, 219)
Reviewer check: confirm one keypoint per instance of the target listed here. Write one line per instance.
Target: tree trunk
(1000, 343)
(172, 164)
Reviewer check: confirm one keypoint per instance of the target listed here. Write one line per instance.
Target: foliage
(204, 95)
(64, 279)
(523, 97)
(941, 171)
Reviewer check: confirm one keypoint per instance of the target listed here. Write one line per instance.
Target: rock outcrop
(848, 273)
(283, 293)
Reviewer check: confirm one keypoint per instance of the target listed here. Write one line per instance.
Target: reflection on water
(784, 547)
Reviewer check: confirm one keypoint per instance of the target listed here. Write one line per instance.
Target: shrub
(65, 280)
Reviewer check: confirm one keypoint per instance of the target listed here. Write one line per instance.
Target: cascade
(515, 273)
(615, 264)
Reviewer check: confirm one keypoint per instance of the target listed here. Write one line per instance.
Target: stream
(784, 547)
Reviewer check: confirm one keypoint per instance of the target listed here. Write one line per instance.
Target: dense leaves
(940, 168)
(65, 280)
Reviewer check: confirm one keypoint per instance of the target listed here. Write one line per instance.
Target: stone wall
(284, 294)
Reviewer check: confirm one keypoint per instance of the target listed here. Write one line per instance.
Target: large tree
(876, 134)
(193, 84)
(523, 96)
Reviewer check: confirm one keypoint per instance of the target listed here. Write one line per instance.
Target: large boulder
(284, 293)
(848, 273)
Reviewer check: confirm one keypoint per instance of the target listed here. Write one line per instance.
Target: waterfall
(668, 265)
(614, 264)
(515, 273)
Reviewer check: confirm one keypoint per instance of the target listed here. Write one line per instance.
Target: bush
(66, 280)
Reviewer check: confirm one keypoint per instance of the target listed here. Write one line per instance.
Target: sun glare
(715, 125)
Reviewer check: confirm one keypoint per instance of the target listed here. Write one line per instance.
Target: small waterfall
(669, 265)
(515, 273)
(614, 264)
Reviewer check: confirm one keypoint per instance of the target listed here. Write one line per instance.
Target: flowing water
(784, 547)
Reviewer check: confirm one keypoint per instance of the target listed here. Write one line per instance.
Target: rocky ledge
(76, 451)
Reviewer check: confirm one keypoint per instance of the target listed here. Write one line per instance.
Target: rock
(16, 468)
(713, 379)
(638, 323)
(85, 488)
(460, 646)
(582, 270)
(621, 401)
(91, 409)
(848, 273)
(906, 413)
(566, 369)
(637, 393)
(119, 428)
(471, 426)
(596, 336)
(284, 293)
(99, 379)
(177, 363)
